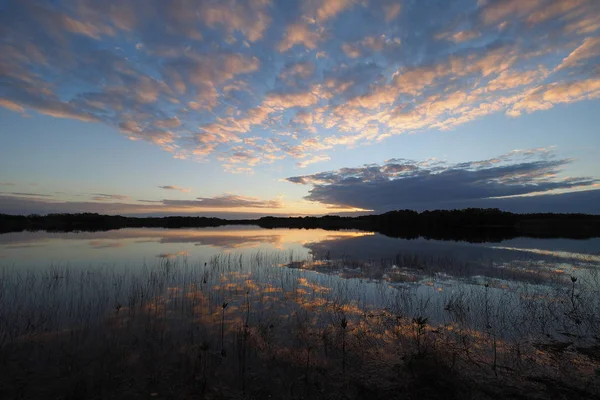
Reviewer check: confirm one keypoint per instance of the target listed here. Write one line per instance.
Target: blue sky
(247, 107)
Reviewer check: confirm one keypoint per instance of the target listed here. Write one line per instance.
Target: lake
(132, 247)
(336, 300)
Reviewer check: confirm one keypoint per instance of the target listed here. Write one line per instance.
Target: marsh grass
(251, 327)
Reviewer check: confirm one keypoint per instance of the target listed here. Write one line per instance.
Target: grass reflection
(271, 325)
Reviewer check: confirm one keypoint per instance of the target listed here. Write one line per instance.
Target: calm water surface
(516, 283)
(348, 253)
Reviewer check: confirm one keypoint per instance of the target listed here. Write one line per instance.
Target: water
(366, 269)
(352, 253)
(138, 245)
(289, 293)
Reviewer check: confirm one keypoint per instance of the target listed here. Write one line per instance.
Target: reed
(167, 328)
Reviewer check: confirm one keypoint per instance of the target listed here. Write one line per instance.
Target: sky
(242, 108)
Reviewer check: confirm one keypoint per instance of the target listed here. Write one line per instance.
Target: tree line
(471, 224)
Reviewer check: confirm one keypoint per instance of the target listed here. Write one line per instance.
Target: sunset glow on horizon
(245, 108)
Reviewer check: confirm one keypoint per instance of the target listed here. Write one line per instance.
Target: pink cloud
(199, 81)
(251, 17)
(299, 34)
(313, 160)
(11, 105)
(590, 47)
(459, 37)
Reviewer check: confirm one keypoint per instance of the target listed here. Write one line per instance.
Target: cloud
(169, 123)
(547, 96)
(224, 205)
(296, 72)
(108, 197)
(313, 160)
(587, 24)
(498, 10)
(459, 37)
(432, 184)
(215, 68)
(197, 78)
(171, 187)
(251, 18)
(392, 11)
(553, 9)
(590, 48)
(299, 34)
(27, 194)
(276, 100)
(11, 105)
(87, 28)
(326, 9)
(370, 45)
(511, 79)
(226, 201)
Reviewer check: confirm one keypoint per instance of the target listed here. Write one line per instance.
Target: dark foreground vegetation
(251, 328)
(475, 225)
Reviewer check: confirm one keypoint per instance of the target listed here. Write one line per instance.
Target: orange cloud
(497, 11)
(313, 160)
(589, 48)
(392, 11)
(299, 34)
(87, 28)
(11, 105)
(250, 18)
(547, 96)
(555, 9)
(290, 100)
(459, 37)
(323, 10)
(200, 81)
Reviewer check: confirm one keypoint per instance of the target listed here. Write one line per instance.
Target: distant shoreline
(472, 225)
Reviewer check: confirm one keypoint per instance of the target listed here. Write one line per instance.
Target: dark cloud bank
(521, 181)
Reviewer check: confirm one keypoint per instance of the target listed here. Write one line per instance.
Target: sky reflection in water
(485, 291)
(350, 254)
